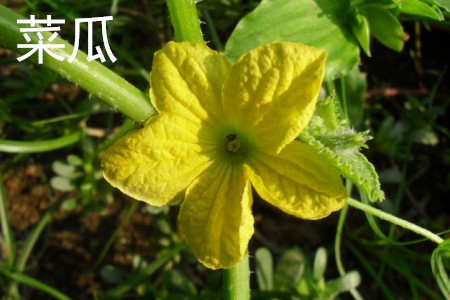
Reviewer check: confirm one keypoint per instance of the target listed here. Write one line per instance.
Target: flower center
(233, 143)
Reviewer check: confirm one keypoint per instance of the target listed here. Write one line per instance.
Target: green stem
(338, 240)
(338, 244)
(342, 94)
(32, 239)
(6, 229)
(20, 277)
(237, 281)
(91, 76)
(39, 146)
(212, 30)
(185, 21)
(8, 242)
(395, 220)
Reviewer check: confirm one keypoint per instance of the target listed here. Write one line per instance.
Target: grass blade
(25, 279)
(39, 146)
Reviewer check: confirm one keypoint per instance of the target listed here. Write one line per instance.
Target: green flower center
(235, 146)
(233, 143)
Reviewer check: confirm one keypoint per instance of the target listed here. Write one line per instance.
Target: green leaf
(264, 269)
(289, 269)
(178, 281)
(426, 136)
(320, 264)
(419, 8)
(65, 170)
(345, 283)
(353, 165)
(74, 160)
(69, 204)
(318, 23)
(144, 274)
(361, 30)
(112, 274)
(355, 89)
(391, 134)
(384, 26)
(334, 140)
(443, 3)
(438, 266)
(63, 184)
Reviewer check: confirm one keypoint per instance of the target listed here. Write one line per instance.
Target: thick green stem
(91, 76)
(185, 21)
(39, 146)
(395, 220)
(237, 281)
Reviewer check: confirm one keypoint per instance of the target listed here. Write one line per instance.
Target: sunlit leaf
(419, 8)
(318, 23)
(443, 3)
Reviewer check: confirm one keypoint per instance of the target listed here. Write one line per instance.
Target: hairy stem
(91, 76)
(237, 281)
(185, 22)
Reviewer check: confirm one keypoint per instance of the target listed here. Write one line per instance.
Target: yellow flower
(221, 129)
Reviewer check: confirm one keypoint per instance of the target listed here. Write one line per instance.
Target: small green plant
(296, 277)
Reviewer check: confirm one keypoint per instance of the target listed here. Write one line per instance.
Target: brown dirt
(65, 255)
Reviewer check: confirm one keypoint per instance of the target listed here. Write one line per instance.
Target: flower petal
(157, 162)
(272, 91)
(298, 181)
(216, 216)
(187, 79)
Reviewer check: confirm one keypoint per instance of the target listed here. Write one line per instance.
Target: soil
(65, 255)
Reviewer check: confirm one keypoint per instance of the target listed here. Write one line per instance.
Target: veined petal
(157, 162)
(187, 79)
(272, 91)
(216, 216)
(298, 181)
